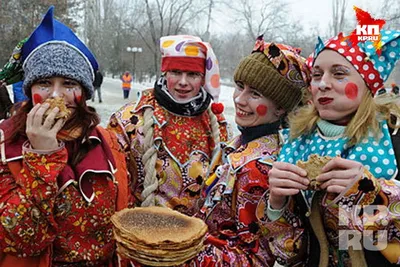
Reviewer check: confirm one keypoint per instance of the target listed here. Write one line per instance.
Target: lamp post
(134, 50)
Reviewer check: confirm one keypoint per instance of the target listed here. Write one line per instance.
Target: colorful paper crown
(373, 67)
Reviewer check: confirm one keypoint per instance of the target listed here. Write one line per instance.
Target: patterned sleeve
(286, 235)
(27, 203)
(370, 204)
(235, 238)
(226, 132)
(116, 126)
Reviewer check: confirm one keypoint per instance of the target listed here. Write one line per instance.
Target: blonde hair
(304, 120)
(150, 184)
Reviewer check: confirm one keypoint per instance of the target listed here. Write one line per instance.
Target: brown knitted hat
(277, 73)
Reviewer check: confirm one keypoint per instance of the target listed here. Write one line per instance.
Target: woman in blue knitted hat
(334, 192)
(61, 176)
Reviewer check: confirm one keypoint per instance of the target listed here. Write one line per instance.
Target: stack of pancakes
(158, 236)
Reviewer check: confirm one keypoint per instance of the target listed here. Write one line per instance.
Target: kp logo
(367, 233)
(367, 29)
(367, 32)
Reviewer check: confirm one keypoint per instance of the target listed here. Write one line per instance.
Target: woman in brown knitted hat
(269, 83)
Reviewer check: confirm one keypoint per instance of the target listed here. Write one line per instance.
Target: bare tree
(151, 19)
(206, 35)
(338, 16)
(18, 18)
(260, 17)
(390, 11)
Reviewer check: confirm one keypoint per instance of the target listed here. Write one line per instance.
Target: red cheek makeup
(262, 110)
(351, 90)
(37, 99)
(77, 98)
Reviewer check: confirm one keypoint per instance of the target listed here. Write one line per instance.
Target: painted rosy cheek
(262, 110)
(170, 80)
(351, 91)
(78, 98)
(37, 99)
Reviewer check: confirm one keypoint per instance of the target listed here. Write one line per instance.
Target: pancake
(314, 166)
(57, 102)
(158, 225)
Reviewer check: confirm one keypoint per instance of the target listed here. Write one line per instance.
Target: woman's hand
(42, 134)
(339, 173)
(285, 180)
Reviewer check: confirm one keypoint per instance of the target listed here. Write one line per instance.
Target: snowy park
(113, 99)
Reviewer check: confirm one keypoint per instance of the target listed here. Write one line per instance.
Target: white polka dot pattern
(376, 155)
(374, 65)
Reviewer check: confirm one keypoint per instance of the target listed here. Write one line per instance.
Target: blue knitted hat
(51, 50)
(57, 59)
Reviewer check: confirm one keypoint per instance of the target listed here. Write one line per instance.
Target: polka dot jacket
(377, 156)
(375, 187)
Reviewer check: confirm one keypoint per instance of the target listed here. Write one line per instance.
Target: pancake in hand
(57, 102)
(314, 166)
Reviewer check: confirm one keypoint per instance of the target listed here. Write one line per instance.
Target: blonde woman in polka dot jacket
(170, 133)
(344, 122)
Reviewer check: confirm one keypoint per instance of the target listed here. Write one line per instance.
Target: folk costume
(309, 230)
(54, 212)
(241, 168)
(169, 143)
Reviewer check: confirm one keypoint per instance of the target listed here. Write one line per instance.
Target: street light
(134, 50)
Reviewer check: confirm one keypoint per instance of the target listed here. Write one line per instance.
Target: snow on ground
(113, 99)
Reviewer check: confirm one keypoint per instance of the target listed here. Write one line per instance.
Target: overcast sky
(320, 11)
(309, 12)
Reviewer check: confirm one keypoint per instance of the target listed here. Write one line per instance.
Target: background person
(98, 80)
(127, 80)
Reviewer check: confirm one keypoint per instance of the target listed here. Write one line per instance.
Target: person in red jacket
(61, 179)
